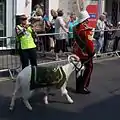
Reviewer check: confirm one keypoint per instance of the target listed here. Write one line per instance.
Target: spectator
(39, 26)
(117, 37)
(71, 24)
(60, 28)
(52, 37)
(34, 10)
(48, 30)
(25, 35)
(54, 17)
(100, 35)
(37, 21)
(106, 33)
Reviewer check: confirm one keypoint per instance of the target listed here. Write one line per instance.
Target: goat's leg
(27, 104)
(46, 95)
(64, 92)
(26, 94)
(12, 104)
(17, 87)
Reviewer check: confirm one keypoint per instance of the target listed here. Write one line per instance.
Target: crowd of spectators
(57, 43)
(62, 42)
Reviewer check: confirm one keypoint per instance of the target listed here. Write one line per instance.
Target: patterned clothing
(84, 49)
(38, 24)
(25, 37)
(47, 76)
(83, 46)
(26, 45)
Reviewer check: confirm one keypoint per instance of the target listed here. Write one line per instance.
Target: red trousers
(83, 81)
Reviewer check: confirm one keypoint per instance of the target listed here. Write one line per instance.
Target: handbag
(96, 34)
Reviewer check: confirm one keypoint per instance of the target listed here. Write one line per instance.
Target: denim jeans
(100, 43)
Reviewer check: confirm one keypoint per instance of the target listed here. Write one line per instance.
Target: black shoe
(83, 91)
(87, 90)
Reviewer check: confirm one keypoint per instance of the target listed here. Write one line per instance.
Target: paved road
(102, 104)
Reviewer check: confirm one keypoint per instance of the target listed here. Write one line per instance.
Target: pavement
(102, 104)
(12, 62)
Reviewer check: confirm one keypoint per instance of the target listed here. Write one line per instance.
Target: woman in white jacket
(62, 30)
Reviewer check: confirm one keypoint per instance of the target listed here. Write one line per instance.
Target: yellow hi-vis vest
(26, 40)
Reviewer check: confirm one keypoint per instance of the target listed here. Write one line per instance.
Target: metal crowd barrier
(10, 61)
(9, 58)
(109, 46)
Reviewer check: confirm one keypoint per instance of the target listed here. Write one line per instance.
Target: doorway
(114, 12)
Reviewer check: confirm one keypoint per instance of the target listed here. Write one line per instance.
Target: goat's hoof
(30, 108)
(11, 108)
(71, 101)
(46, 102)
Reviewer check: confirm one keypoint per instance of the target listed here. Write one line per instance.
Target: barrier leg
(11, 74)
(117, 53)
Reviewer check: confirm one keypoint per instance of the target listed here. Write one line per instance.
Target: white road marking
(4, 79)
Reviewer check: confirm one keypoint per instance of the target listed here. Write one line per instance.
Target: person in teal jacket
(72, 22)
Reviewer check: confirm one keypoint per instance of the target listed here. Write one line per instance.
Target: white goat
(24, 77)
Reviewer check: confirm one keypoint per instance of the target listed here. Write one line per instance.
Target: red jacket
(83, 45)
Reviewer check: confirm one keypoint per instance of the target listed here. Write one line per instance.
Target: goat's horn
(75, 56)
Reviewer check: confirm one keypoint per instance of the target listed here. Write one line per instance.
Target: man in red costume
(84, 48)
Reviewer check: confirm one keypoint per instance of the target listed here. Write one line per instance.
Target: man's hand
(90, 55)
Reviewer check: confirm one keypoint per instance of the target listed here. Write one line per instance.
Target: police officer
(27, 45)
(83, 47)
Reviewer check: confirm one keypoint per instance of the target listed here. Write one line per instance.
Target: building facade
(6, 20)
